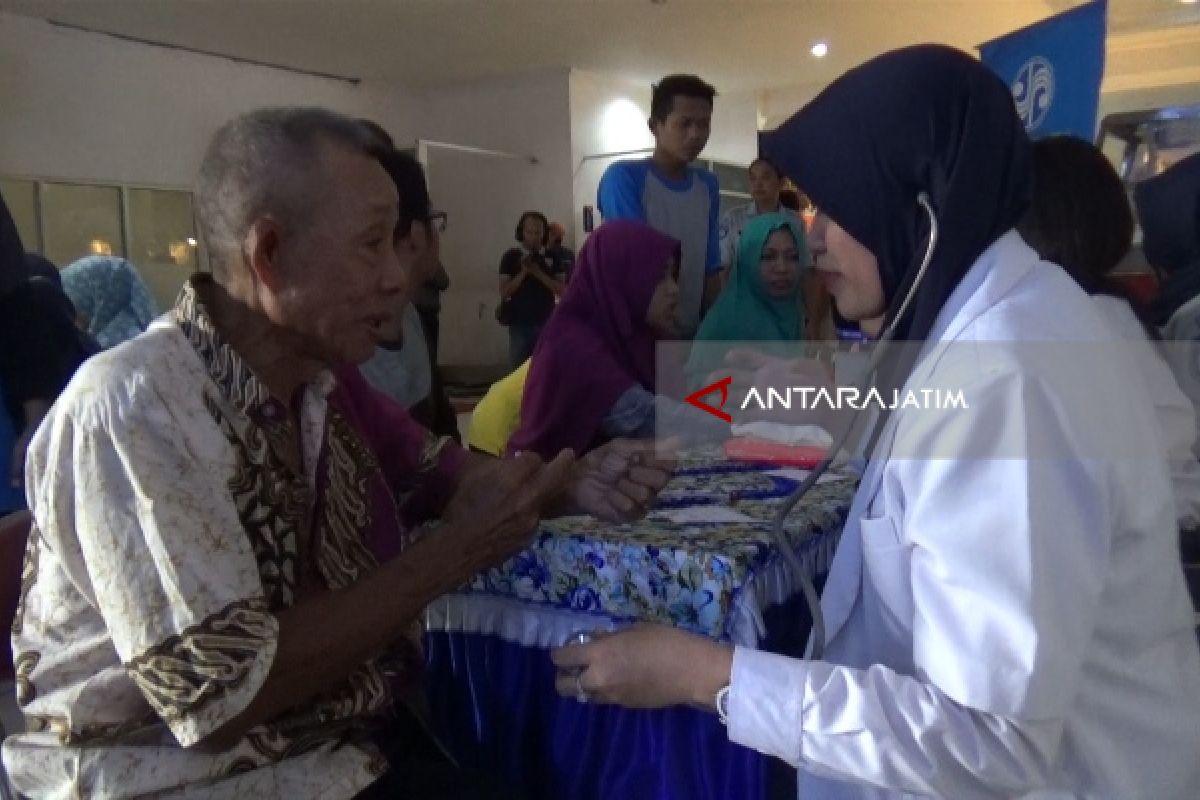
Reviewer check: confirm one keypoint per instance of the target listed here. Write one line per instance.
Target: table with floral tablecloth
(704, 560)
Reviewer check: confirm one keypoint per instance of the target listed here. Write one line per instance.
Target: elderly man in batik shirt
(203, 614)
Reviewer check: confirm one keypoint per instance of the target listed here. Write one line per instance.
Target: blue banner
(1054, 69)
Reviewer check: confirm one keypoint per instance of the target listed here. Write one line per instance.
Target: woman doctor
(999, 622)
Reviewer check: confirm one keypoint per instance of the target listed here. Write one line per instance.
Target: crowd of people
(240, 508)
(597, 342)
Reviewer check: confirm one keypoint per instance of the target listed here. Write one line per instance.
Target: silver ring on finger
(581, 695)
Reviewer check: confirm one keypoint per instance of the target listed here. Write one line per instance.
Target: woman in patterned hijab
(110, 296)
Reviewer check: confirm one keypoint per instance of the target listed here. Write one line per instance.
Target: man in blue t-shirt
(669, 194)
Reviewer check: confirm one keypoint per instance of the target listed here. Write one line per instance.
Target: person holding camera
(530, 284)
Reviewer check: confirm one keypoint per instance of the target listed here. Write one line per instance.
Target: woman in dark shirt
(530, 283)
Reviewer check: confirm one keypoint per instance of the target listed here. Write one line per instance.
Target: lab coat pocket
(879, 533)
(887, 589)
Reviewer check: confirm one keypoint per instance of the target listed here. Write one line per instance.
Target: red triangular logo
(723, 387)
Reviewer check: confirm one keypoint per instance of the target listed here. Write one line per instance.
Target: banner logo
(1033, 92)
(1053, 69)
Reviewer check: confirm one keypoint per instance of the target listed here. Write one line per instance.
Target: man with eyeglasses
(427, 302)
(404, 366)
(427, 298)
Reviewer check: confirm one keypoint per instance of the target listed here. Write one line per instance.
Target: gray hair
(264, 162)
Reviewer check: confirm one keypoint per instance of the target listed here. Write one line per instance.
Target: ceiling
(738, 45)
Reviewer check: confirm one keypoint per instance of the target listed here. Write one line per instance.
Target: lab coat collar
(993, 275)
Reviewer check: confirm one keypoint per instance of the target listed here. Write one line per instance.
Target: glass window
(79, 220)
(21, 198)
(732, 177)
(730, 201)
(162, 240)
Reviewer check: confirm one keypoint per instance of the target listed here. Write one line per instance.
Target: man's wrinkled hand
(499, 502)
(620, 481)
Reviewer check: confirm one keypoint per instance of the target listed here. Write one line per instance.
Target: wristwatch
(722, 704)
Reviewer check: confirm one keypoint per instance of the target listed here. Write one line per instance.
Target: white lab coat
(1181, 348)
(1173, 410)
(998, 627)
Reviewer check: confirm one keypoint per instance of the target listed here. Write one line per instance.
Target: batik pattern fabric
(420, 471)
(680, 569)
(170, 529)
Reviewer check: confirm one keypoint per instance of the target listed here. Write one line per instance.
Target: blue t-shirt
(687, 209)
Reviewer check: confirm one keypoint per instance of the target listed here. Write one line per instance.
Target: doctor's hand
(648, 666)
(619, 481)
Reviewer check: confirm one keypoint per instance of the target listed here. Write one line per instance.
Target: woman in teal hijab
(762, 302)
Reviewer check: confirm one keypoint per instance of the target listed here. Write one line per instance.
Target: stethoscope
(790, 553)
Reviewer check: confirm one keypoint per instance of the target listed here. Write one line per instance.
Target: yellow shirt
(498, 414)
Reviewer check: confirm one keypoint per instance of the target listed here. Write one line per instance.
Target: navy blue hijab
(1169, 209)
(926, 119)
(13, 271)
(40, 347)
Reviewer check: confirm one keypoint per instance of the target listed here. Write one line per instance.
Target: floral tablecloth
(710, 577)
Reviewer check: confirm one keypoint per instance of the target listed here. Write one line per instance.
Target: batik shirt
(167, 522)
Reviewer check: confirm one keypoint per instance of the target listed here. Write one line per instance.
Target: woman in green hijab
(762, 302)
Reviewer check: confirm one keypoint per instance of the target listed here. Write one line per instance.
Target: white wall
(486, 194)
(86, 106)
(608, 115)
(776, 105)
(89, 107)
(734, 128)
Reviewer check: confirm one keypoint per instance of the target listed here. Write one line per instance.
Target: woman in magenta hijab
(592, 376)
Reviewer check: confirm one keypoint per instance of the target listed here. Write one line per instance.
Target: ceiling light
(820, 50)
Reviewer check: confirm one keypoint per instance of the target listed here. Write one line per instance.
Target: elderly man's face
(343, 281)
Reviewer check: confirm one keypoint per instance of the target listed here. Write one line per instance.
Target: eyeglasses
(438, 220)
